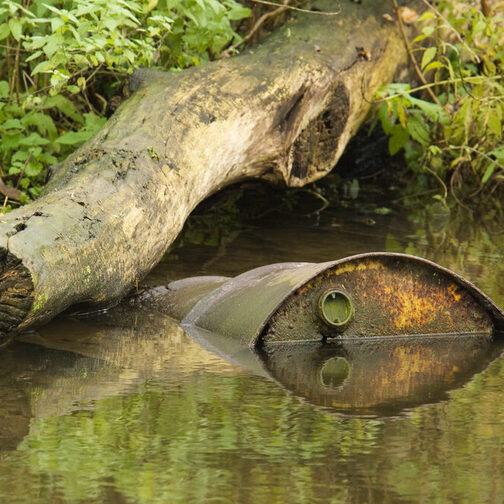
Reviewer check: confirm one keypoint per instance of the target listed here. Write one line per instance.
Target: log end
(16, 293)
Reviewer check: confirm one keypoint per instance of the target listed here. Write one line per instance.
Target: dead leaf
(407, 15)
(364, 54)
(10, 192)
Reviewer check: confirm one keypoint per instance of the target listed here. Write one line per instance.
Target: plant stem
(439, 83)
(297, 9)
(478, 152)
(226, 53)
(438, 178)
(411, 55)
(457, 34)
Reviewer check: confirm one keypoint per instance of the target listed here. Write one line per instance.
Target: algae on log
(283, 112)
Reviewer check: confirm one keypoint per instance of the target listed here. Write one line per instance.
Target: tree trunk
(283, 112)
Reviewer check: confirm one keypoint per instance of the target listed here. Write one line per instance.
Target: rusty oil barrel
(373, 295)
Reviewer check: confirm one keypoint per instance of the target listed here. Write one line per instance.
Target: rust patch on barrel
(390, 296)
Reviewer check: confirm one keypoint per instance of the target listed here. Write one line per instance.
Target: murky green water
(126, 408)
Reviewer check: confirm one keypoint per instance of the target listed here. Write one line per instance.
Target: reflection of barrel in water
(371, 377)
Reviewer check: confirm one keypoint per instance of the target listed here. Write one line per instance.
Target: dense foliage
(61, 62)
(454, 132)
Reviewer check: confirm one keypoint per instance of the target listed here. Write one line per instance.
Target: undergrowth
(450, 126)
(61, 62)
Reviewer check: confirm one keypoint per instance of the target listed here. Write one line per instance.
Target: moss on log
(283, 112)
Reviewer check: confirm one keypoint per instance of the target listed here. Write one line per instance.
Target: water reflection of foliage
(470, 245)
(241, 439)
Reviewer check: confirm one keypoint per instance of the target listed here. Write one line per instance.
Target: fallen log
(283, 112)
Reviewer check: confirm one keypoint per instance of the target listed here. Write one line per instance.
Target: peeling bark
(283, 112)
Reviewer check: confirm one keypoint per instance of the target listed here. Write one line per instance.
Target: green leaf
(56, 23)
(24, 182)
(479, 26)
(4, 31)
(401, 113)
(494, 123)
(14, 170)
(16, 28)
(4, 89)
(93, 122)
(74, 138)
(43, 67)
(34, 139)
(33, 169)
(418, 130)
(432, 110)
(11, 141)
(384, 117)
(43, 123)
(419, 38)
(36, 42)
(398, 139)
(237, 11)
(428, 56)
(433, 65)
(12, 124)
(64, 105)
(73, 89)
(382, 211)
(426, 15)
(353, 189)
(20, 156)
(498, 153)
(488, 172)
(35, 55)
(52, 45)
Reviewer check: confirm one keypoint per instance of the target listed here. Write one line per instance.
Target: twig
(411, 55)
(281, 8)
(416, 195)
(15, 74)
(5, 46)
(88, 103)
(485, 8)
(438, 178)
(439, 83)
(457, 34)
(8, 64)
(325, 202)
(476, 151)
(252, 32)
(452, 190)
(94, 72)
(26, 78)
(298, 9)
(24, 168)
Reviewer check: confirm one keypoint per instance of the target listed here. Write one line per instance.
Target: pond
(127, 408)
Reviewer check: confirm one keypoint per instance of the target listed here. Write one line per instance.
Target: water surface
(127, 408)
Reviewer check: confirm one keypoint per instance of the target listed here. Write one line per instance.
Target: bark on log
(283, 112)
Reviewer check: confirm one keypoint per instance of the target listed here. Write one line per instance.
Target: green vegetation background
(62, 64)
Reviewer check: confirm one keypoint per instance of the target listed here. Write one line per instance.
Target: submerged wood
(282, 112)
